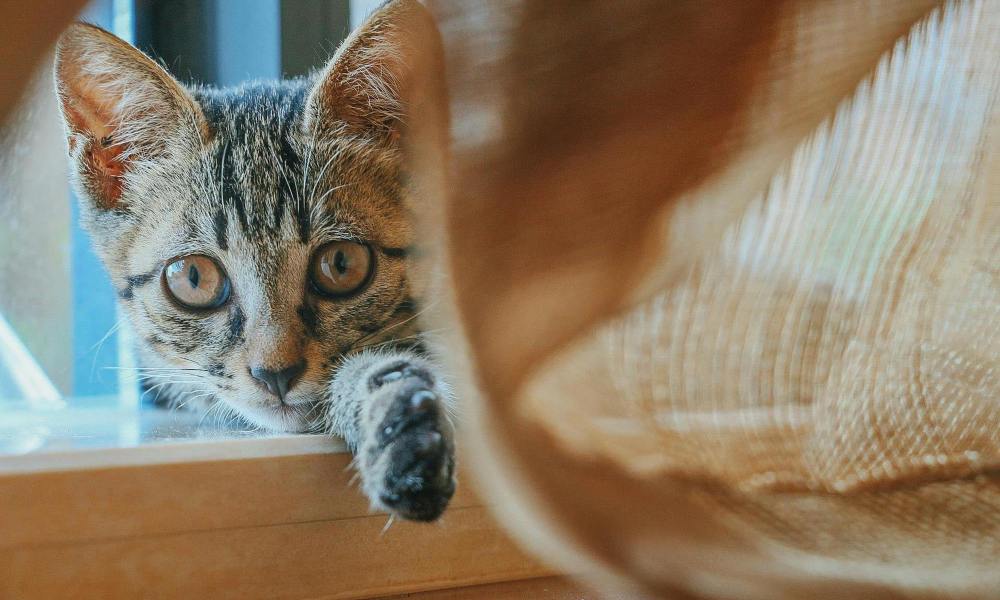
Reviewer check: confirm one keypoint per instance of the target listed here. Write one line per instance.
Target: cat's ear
(362, 90)
(120, 109)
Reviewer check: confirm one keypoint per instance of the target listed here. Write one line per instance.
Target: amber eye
(197, 281)
(341, 268)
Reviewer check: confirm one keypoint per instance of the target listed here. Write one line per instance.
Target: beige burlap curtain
(727, 275)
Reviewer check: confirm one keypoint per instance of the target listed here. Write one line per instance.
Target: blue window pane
(95, 343)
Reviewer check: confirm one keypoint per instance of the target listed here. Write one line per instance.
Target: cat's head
(255, 234)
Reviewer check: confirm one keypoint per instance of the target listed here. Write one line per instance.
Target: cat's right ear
(120, 110)
(365, 87)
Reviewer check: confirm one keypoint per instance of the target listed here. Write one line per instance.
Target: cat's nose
(279, 381)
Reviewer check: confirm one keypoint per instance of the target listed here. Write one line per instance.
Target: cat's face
(265, 256)
(255, 234)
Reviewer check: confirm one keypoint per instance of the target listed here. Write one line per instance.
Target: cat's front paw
(408, 462)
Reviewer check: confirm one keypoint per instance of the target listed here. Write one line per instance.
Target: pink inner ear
(102, 155)
(104, 171)
(83, 110)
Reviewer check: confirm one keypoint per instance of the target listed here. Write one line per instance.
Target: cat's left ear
(120, 108)
(363, 89)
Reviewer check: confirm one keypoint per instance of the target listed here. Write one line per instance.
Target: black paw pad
(417, 409)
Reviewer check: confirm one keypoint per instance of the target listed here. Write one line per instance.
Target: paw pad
(413, 411)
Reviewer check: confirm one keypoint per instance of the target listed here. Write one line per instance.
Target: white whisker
(388, 524)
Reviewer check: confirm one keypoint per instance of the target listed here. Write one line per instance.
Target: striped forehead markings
(220, 224)
(231, 194)
(242, 165)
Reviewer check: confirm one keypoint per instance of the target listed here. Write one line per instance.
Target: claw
(422, 400)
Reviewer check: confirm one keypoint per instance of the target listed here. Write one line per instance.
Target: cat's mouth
(296, 416)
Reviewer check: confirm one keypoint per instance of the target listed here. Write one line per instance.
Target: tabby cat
(260, 238)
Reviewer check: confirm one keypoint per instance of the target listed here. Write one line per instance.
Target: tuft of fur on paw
(407, 460)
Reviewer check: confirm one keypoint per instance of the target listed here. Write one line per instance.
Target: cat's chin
(283, 418)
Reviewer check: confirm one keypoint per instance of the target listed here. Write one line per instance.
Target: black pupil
(340, 262)
(193, 276)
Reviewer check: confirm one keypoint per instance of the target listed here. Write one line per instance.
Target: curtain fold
(725, 278)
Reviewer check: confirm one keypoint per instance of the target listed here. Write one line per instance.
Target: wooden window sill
(273, 517)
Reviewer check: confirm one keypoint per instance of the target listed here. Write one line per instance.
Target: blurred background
(62, 344)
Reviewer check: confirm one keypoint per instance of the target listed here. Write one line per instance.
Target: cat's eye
(341, 268)
(196, 281)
